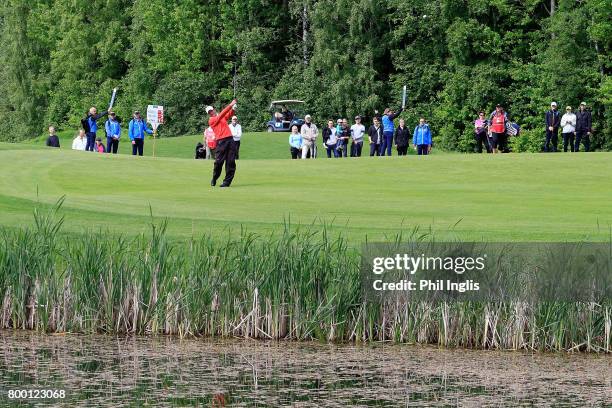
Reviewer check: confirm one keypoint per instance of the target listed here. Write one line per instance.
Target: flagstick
(154, 139)
(112, 101)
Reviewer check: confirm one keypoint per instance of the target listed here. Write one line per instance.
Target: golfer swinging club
(226, 147)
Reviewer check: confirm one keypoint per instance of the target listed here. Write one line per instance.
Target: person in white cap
(309, 133)
(236, 134)
(568, 128)
(553, 120)
(584, 122)
(226, 147)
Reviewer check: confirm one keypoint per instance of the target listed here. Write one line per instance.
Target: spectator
(339, 139)
(80, 141)
(236, 134)
(330, 141)
(211, 143)
(344, 137)
(422, 138)
(136, 130)
(226, 148)
(90, 124)
(357, 132)
(497, 128)
(553, 120)
(388, 128)
(295, 143)
(584, 123)
(52, 140)
(402, 138)
(309, 137)
(375, 136)
(568, 126)
(287, 114)
(481, 133)
(113, 133)
(100, 146)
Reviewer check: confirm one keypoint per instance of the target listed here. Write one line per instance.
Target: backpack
(85, 124)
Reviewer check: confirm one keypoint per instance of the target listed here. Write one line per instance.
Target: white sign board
(155, 115)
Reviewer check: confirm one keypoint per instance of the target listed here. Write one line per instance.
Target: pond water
(105, 371)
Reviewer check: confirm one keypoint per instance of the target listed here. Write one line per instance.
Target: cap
(357, 117)
(307, 117)
(111, 113)
(136, 112)
(583, 103)
(98, 139)
(498, 105)
(568, 108)
(209, 108)
(553, 104)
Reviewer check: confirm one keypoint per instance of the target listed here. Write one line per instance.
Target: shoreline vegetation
(299, 284)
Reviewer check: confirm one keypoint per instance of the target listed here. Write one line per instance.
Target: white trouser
(306, 146)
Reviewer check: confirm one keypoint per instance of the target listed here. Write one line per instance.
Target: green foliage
(342, 57)
(527, 141)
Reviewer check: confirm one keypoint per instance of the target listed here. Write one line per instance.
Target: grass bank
(298, 284)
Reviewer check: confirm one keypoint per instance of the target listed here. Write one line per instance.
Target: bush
(527, 141)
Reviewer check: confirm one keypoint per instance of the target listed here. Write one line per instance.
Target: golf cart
(285, 114)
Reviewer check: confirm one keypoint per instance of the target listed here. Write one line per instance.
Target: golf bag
(512, 129)
(200, 151)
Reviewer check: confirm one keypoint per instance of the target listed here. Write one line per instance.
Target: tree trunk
(305, 33)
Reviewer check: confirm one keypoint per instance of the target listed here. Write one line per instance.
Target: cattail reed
(296, 284)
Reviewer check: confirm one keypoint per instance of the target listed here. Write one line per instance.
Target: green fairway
(507, 197)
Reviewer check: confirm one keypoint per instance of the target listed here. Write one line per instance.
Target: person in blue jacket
(113, 133)
(136, 131)
(90, 124)
(388, 130)
(421, 139)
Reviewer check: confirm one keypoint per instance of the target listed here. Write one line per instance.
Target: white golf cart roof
(284, 102)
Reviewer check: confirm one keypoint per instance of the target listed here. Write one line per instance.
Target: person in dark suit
(402, 138)
(52, 140)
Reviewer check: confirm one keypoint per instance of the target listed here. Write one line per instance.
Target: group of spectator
(88, 140)
(576, 128)
(341, 140)
(491, 134)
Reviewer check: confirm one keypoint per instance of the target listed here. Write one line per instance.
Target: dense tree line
(343, 57)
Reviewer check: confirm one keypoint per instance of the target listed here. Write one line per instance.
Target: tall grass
(298, 285)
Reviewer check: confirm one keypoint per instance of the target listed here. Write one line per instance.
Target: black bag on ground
(200, 151)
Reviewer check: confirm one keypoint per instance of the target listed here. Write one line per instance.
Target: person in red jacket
(226, 147)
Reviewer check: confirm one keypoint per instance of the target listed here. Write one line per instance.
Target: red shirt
(498, 123)
(219, 123)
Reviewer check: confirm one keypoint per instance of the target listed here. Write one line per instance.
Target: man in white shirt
(236, 133)
(568, 126)
(79, 142)
(309, 133)
(357, 132)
